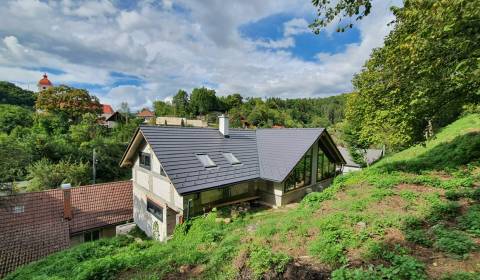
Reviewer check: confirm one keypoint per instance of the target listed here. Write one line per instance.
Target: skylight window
(206, 160)
(231, 158)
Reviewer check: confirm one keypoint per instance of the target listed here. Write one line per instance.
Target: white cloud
(171, 49)
(276, 44)
(296, 26)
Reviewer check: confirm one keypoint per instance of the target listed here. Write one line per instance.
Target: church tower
(44, 83)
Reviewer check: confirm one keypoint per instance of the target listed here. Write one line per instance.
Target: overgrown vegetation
(373, 224)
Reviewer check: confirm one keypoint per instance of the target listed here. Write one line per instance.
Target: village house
(182, 172)
(146, 115)
(36, 224)
(178, 121)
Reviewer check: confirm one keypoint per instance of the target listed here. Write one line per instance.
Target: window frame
(91, 235)
(290, 182)
(154, 213)
(235, 161)
(210, 164)
(141, 160)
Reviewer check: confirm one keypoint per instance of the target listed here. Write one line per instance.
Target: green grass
(428, 194)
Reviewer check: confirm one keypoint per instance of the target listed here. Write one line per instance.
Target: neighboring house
(109, 117)
(36, 224)
(146, 115)
(113, 120)
(370, 155)
(183, 172)
(177, 121)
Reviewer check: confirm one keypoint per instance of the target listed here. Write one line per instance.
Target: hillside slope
(414, 215)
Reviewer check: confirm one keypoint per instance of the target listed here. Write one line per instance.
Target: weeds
(263, 259)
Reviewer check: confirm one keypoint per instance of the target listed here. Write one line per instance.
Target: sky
(142, 51)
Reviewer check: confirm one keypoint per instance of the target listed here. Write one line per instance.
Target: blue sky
(141, 51)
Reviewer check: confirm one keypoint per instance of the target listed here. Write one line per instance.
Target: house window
(144, 160)
(301, 175)
(206, 160)
(325, 168)
(155, 209)
(91, 236)
(17, 209)
(232, 159)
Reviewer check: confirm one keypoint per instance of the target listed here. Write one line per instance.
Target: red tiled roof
(98, 205)
(107, 109)
(45, 81)
(41, 229)
(146, 113)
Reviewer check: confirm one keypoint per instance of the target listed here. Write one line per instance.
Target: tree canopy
(72, 102)
(426, 72)
(343, 10)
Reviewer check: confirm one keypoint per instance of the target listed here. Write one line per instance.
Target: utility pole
(94, 167)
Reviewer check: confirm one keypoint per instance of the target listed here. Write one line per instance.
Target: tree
(202, 101)
(69, 101)
(12, 116)
(11, 94)
(343, 10)
(425, 73)
(44, 174)
(180, 103)
(125, 111)
(230, 101)
(162, 108)
(87, 130)
(15, 157)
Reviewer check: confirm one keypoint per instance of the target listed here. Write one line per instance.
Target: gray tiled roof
(176, 148)
(264, 153)
(279, 150)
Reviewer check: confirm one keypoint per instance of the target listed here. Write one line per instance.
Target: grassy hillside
(414, 215)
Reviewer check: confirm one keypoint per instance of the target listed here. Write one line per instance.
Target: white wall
(158, 188)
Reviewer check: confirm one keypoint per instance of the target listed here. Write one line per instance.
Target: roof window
(231, 158)
(206, 160)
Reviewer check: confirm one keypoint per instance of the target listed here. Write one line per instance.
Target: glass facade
(301, 175)
(325, 168)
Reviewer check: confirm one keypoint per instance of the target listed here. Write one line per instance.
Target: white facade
(151, 185)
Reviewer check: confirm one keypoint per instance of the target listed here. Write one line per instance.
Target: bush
(418, 236)
(444, 211)
(262, 260)
(401, 266)
(44, 174)
(471, 220)
(452, 241)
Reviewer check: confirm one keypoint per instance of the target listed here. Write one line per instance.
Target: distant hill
(413, 215)
(12, 94)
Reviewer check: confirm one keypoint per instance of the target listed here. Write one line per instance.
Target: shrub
(444, 211)
(452, 241)
(262, 260)
(418, 236)
(47, 175)
(471, 220)
(475, 194)
(401, 266)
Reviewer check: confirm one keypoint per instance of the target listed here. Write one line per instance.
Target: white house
(182, 172)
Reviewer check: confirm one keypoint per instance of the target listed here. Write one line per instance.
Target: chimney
(67, 201)
(223, 125)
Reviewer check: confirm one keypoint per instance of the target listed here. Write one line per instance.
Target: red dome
(45, 81)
